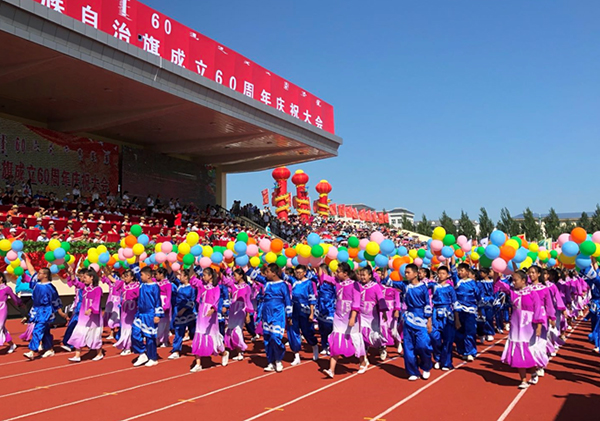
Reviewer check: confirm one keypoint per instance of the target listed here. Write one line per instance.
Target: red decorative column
(282, 197)
(302, 204)
(323, 188)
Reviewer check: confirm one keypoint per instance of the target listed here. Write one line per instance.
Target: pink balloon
(176, 266)
(436, 245)
(377, 236)
(441, 258)
(391, 264)
(461, 240)
(289, 263)
(143, 256)
(160, 257)
(264, 244)
(59, 262)
(23, 264)
(315, 261)
(542, 248)
(418, 261)
(166, 247)
(121, 256)
(596, 237)
(332, 253)
(252, 250)
(172, 257)
(499, 265)
(12, 255)
(205, 262)
(95, 267)
(303, 260)
(363, 243)
(563, 238)
(466, 247)
(128, 253)
(228, 254)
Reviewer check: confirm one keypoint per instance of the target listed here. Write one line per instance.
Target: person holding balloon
(486, 305)
(548, 313)
(593, 280)
(467, 299)
(240, 311)
(325, 307)
(130, 292)
(443, 326)
(373, 312)
(184, 310)
(5, 293)
(163, 277)
(76, 307)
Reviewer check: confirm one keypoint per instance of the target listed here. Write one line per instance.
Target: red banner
(265, 196)
(332, 209)
(137, 24)
(342, 211)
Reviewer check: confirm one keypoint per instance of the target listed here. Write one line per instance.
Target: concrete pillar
(221, 193)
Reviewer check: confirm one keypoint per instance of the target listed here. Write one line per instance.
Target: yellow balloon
(543, 255)
(123, 245)
(92, 251)
(192, 239)
(333, 265)
(534, 247)
(93, 257)
(131, 260)
(157, 248)
(413, 253)
(526, 263)
(184, 248)
(512, 244)
(101, 249)
(53, 244)
(438, 233)
(270, 257)
(10, 270)
(304, 250)
(597, 252)
(138, 249)
(5, 245)
(15, 262)
(207, 251)
(254, 261)
(372, 248)
(230, 245)
(475, 256)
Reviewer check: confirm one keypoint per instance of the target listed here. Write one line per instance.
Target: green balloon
(86, 263)
(242, 236)
(518, 240)
(449, 239)
(587, 248)
(317, 250)
(421, 253)
(49, 256)
(342, 248)
(188, 259)
(480, 251)
(65, 246)
(175, 248)
(533, 256)
(353, 242)
(136, 230)
(18, 271)
(554, 254)
(281, 261)
(485, 261)
(369, 257)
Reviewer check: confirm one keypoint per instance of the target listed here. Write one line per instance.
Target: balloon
(317, 250)
(313, 239)
(563, 238)
(143, 239)
(466, 247)
(512, 243)
(437, 245)
(270, 257)
(578, 235)
(387, 247)
(343, 256)
(332, 253)
(447, 251)
(184, 248)
(192, 238)
(413, 253)
(497, 238)
(17, 245)
(353, 242)
(421, 253)
(95, 267)
(333, 265)
(534, 247)
(484, 261)
(381, 261)
(127, 253)
(160, 257)
(587, 248)
(136, 230)
(138, 249)
(130, 241)
(499, 264)
(255, 261)
(492, 251)
(461, 240)
(475, 256)
(252, 250)
(243, 237)
(544, 255)
(363, 243)
(243, 260)
(372, 248)
(204, 261)
(227, 254)
(403, 251)
(438, 234)
(506, 253)
(166, 247)
(595, 238)
(449, 239)
(207, 251)
(551, 262)
(217, 257)
(583, 262)
(18, 271)
(59, 253)
(49, 256)
(53, 244)
(103, 258)
(377, 237)
(570, 249)
(554, 254)
(277, 246)
(281, 260)
(5, 245)
(197, 250)
(265, 245)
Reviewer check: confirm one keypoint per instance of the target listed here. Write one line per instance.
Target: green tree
(595, 220)
(423, 227)
(507, 224)
(465, 226)
(568, 227)
(407, 224)
(447, 223)
(552, 225)
(584, 222)
(530, 226)
(486, 226)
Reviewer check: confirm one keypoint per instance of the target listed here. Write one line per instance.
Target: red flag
(332, 209)
(387, 218)
(362, 215)
(341, 211)
(265, 196)
(381, 218)
(354, 213)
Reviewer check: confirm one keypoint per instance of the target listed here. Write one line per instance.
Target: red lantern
(302, 202)
(323, 188)
(282, 197)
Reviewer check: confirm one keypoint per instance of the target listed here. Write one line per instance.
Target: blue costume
(486, 307)
(149, 307)
(303, 296)
(185, 302)
(325, 311)
(443, 328)
(73, 320)
(45, 303)
(467, 298)
(417, 342)
(593, 280)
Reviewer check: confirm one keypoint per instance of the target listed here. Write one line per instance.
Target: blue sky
(442, 105)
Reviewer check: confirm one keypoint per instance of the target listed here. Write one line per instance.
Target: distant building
(563, 217)
(397, 214)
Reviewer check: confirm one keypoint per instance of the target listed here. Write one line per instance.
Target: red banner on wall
(137, 24)
(265, 196)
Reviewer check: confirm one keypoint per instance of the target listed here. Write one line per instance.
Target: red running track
(112, 389)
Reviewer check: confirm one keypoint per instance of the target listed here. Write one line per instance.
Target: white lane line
(69, 365)
(283, 405)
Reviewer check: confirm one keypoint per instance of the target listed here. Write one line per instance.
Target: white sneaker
(151, 363)
(489, 338)
(75, 359)
(98, 356)
(141, 360)
(436, 366)
(445, 368)
(553, 354)
(110, 338)
(596, 349)
(12, 348)
(412, 378)
(278, 366)
(125, 352)
(383, 354)
(315, 352)
(324, 352)
(196, 368)
(296, 360)
(523, 385)
(225, 359)
(270, 367)
(239, 357)
(363, 368)
(328, 373)
(470, 358)
(534, 379)
(29, 355)
(173, 356)
(66, 348)
(49, 353)
(255, 338)
(186, 338)
(426, 375)
(540, 372)
(163, 345)
(400, 348)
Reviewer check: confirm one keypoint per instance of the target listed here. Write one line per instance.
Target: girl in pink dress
(373, 308)
(88, 331)
(6, 292)
(525, 327)
(346, 339)
(389, 324)
(208, 340)
(130, 291)
(240, 310)
(548, 314)
(554, 336)
(112, 316)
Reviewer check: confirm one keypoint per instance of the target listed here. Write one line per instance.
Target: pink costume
(5, 292)
(207, 340)
(240, 305)
(565, 294)
(372, 304)
(88, 331)
(129, 296)
(345, 340)
(548, 313)
(257, 289)
(559, 307)
(389, 329)
(523, 349)
(112, 311)
(164, 326)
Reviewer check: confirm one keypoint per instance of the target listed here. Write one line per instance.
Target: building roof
(401, 210)
(561, 215)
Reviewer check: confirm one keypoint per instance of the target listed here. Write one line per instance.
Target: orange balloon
(396, 263)
(276, 246)
(405, 259)
(130, 240)
(578, 235)
(435, 260)
(251, 241)
(507, 252)
(395, 276)
(111, 261)
(525, 244)
(290, 252)
(459, 253)
(352, 252)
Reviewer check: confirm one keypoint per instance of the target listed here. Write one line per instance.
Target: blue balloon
(402, 251)
(361, 255)
(387, 247)
(152, 259)
(403, 269)
(197, 250)
(509, 266)
(295, 261)
(381, 260)
(582, 262)
(59, 253)
(217, 257)
(497, 238)
(147, 261)
(313, 239)
(117, 265)
(17, 245)
(426, 261)
(143, 239)
(240, 247)
(53, 268)
(242, 260)
(428, 255)
(363, 264)
(520, 255)
(342, 256)
(103, 258)
(448, 251)
(551, 262)
(492, 251)
(569, 249)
